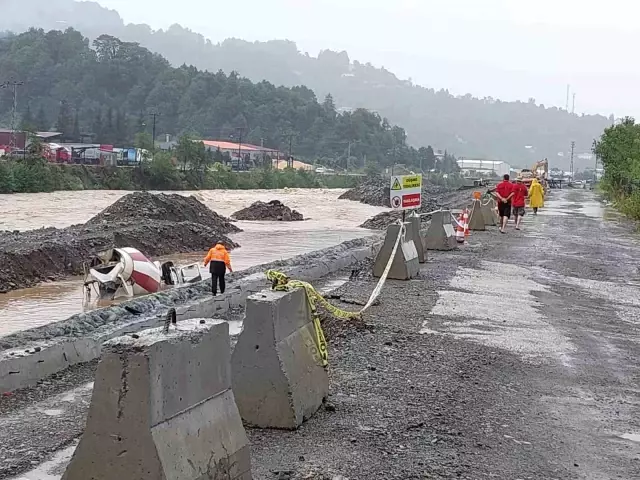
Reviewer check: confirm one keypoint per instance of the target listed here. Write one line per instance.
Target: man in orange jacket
(219, 259)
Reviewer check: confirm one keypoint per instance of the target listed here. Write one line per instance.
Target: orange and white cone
(460, 230)
(465, 222)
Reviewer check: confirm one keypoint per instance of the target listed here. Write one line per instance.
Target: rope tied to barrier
(430, 213)
(455, 220)
(281, 282)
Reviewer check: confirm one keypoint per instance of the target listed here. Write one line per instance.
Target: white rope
(430, 213)
(376, 291)
(456, 221)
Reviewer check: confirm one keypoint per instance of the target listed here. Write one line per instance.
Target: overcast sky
(507, 49)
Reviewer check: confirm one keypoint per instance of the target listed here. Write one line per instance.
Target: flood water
(332, 221)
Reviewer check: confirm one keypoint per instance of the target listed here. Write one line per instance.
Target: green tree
(163, 173)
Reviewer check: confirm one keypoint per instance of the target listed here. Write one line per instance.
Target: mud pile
(144, 221)
(275, 211)
(143, 206)
(373, 191)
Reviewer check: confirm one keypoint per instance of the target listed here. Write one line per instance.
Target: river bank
(33, 176)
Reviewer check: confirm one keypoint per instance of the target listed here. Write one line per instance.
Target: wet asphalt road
(516, 357)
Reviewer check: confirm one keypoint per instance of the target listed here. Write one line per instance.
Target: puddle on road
(634, 437)
(477, 311)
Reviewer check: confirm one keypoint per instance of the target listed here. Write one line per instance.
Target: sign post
(406, 193)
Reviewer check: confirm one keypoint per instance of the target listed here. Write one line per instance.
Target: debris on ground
(157, 225)
(274, 210)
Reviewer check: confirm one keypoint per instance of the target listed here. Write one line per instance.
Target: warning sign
(411, 181)
(406, 192)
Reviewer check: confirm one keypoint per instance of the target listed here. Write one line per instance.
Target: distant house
(470, 166)
(234, 150)
(22, 138)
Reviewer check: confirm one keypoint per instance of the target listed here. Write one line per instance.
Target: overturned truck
(126, 272)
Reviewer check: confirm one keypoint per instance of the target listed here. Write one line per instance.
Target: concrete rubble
(278, 377)
(163, 408)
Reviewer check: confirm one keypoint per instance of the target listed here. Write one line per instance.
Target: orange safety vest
(218, 254)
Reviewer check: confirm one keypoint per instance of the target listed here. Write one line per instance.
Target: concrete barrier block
(163, 408)
(476, 220)
(414, 233)
(489, 214)
(278, 379)
(440, 235)
(405, 264)
(20, 367)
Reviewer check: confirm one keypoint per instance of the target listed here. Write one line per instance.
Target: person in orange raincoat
(218, 260)
(536, 196)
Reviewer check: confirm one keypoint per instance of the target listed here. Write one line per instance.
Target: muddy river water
(331, 221)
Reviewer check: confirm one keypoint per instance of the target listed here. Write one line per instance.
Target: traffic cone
(465, 222)
(460, 229)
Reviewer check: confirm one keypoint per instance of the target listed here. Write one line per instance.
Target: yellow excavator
(539, 170)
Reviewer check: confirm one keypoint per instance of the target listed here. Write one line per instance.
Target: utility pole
(239, 130)
(595, 171)
(290, 159)
(153, 129)
(14, 111)
(264, 156)
(573, 146)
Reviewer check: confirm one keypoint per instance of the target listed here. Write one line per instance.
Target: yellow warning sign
(396, 184)
(411, 181)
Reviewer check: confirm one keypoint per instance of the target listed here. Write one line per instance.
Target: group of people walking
(512, 198)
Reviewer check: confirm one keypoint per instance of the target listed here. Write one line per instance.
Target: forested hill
(106, 91)
(465, 125)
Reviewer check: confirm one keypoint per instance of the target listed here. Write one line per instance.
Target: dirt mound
(275, 211)
(143, 206)
(157, 225)
(373, 191)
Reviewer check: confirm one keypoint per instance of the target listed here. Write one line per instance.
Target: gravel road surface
(515, 357)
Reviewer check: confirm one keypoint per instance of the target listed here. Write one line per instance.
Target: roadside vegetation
(619, 151)
(33, 175)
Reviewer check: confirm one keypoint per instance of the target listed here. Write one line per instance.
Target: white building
(473, 167)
